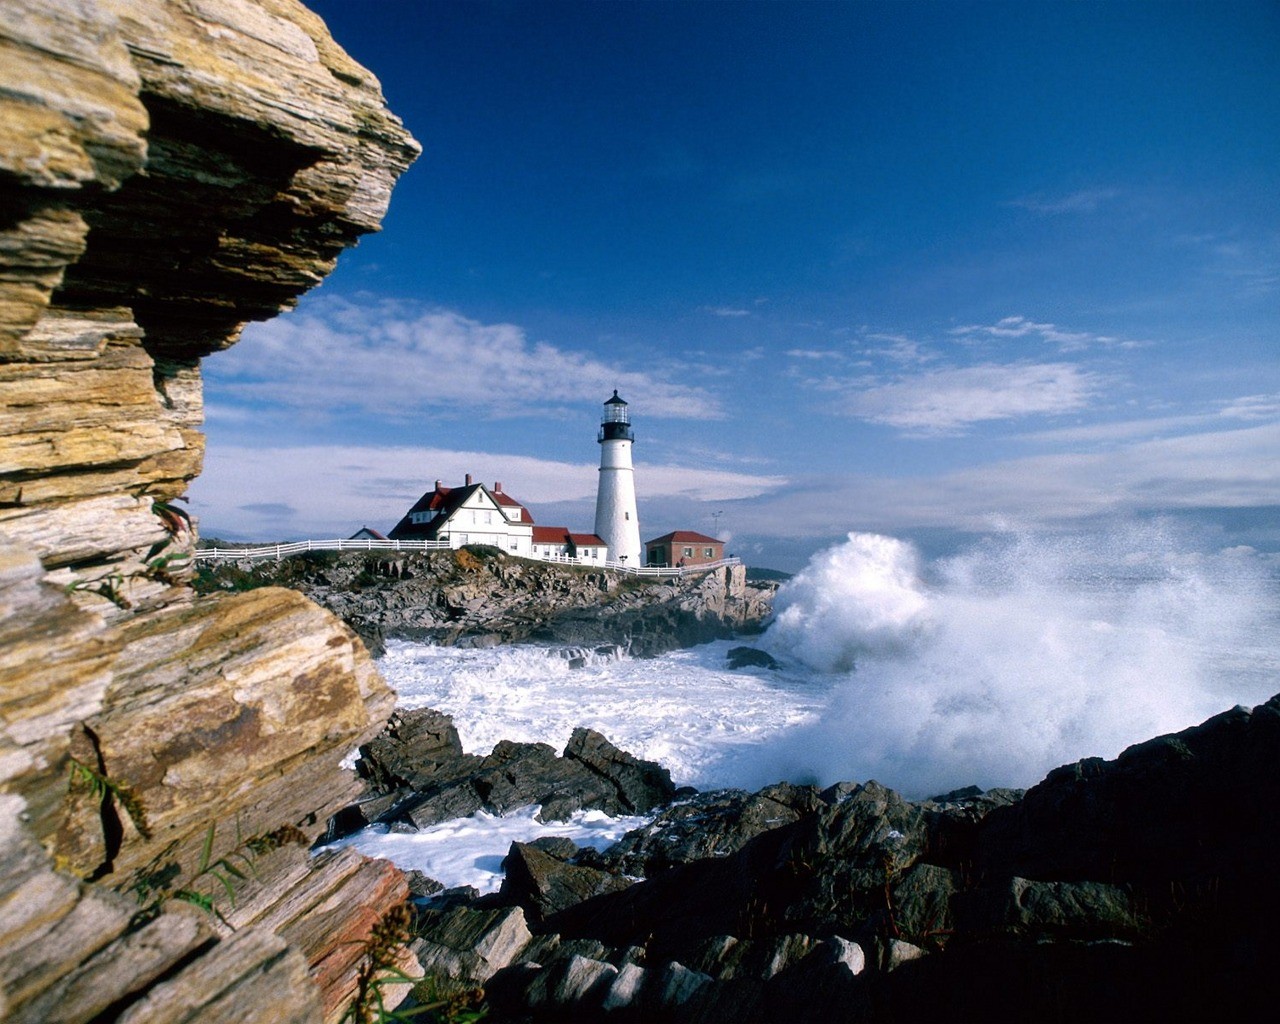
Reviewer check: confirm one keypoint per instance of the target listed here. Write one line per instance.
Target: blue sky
(923, 269)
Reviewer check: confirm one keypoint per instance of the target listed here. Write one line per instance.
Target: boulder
(409, 751)
(712, 824)
(640, 786)
(418, 776)
(1044, 911)
(750, 657)
(542, 884)
(468, 946)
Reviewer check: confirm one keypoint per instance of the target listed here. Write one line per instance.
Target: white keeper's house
(470, 514)
(476, 514)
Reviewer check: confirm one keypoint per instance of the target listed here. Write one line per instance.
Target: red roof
(550, 535)
(683, 537)
(504, 499)
(586, 540)
(443, 502)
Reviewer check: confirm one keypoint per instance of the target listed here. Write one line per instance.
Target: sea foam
(1023, 653)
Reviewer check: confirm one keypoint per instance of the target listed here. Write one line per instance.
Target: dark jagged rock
(712, 824)
(417, 775)
(640, 786)
(409, 751)
(750, 657)
(542, 884)
(1069, 903)
(1190, 806)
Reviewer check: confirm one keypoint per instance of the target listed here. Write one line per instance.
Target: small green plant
(176, 522)
(378, 970)
(108, 790)
(153, 887)
(109, 587)
(462, 1007)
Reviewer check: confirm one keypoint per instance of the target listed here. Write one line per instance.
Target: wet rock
(640, 785)
(559, 847)
(750, 657)
(1042, 911)
(418, 776)
(543, 885)
(469, 946)
(422, 886)
(712, 824)
(412, 747)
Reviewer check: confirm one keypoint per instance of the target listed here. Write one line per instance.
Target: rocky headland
(480, 597)
(1139, 889)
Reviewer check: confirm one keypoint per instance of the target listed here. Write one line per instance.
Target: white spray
(1026, 653)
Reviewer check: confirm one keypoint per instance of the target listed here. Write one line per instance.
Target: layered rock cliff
(169, 170)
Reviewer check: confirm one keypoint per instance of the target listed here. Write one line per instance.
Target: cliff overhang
(169, 171)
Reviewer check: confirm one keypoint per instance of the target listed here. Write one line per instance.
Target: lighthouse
(617, 523)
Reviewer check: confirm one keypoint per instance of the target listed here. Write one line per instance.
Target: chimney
(497, 486)
(437, 485)
(468, 479)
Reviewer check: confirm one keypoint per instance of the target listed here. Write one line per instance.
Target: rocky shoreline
(479, 597)
(1136, 889)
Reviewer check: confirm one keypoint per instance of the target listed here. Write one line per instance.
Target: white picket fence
(278, 551)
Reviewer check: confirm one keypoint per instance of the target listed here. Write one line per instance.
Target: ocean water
(989, 668)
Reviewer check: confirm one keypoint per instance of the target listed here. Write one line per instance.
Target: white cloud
(729, 311)
(949, 400)
(898, 348)
(1119, 430)
(1084, 201)
(1252, 407)
(1216, 469)
(396, 359)
(1022, 327)
(325, 491)
(814, 354)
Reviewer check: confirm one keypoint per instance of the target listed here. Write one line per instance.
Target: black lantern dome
(615, 425)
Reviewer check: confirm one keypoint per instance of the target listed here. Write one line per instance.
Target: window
(688, 552)
(626, 515)
(708, 552)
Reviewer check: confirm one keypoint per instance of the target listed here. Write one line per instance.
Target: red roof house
(683, 547)
(470, 514)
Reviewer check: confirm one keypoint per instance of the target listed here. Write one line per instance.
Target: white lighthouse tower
(617, 523)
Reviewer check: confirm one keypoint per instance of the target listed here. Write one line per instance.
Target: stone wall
(169, 170)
